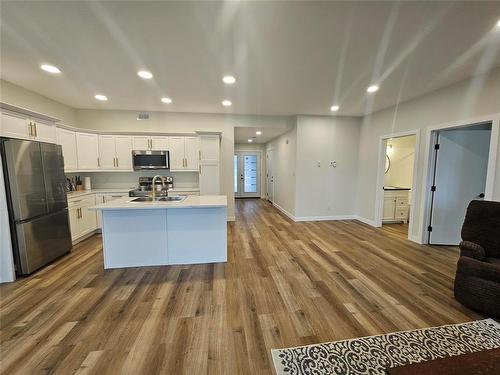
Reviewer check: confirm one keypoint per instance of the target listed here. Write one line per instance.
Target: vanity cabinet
(396, 206)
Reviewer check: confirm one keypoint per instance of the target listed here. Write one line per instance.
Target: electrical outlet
(333, 164)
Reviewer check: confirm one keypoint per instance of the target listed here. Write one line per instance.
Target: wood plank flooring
(285, 284)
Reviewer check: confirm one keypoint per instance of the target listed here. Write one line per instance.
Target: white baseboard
(288, 214)
(231, 218)
(325, 218)
(365, 220)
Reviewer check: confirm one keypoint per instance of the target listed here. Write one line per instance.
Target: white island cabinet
(190, 231)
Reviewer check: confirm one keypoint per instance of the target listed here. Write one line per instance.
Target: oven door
(150, 159)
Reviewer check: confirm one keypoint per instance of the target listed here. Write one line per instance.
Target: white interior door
(269, 175)
(247, 174)
(460, 176)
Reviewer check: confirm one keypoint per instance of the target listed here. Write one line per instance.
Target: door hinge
(433, 188)
(436, 146)
(429, 228)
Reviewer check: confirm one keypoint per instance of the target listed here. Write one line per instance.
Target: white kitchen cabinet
(87, 146)
(18, 126)
(396, 206)
(44, 132)
(67, 140)
(184, 153)
(123, 151)
(115, 152)
(107, 154)
(158, 143)
(209, 168)
(82, 220)
(104, 198)
(141, 142)
(209, 179)
(15, 126)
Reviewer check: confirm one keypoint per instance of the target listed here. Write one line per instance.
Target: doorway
(458, 175)
(398, 182)
(247, 174)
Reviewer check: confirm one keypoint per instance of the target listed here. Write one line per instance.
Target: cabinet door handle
(199, 155)
(98, 162)
(36, 133)
(200, 168)
(117, 163)
(114, 161)
(29, 129)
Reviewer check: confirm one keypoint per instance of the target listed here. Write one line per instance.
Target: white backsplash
(130, 180)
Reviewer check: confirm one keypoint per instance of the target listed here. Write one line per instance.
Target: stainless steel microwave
(146, 159)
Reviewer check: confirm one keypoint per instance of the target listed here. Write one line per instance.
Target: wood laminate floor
(285, 284)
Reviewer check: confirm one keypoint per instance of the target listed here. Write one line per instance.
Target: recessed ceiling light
(250, 140)
(50, 68)
(166, 100)
(228, 80)
(258, 132)
(145, 74)
(372, 89)
(334, 108)
(101, 97)
(226, 103)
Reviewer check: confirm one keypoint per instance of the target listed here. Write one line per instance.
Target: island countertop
(191, 201)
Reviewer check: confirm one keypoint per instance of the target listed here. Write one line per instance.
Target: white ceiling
(243, 134)
(288, 57)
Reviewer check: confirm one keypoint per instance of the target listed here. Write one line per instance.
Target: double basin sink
(177, 198)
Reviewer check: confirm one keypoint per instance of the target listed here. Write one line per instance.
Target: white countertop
(191, 201)
(73, 194)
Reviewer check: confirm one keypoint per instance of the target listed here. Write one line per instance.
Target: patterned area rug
(374, 354)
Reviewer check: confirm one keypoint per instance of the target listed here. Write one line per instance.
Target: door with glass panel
(246, 174)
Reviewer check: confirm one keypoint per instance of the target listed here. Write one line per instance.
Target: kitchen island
(189, 231)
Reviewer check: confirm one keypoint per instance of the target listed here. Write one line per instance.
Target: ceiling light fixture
(50, 68)
(166, 100)
(226, 103)
(228, 80)
(145, 74)
(258, 132)
(372, 89)
(101, 97)
(250, 140)
(334, 108)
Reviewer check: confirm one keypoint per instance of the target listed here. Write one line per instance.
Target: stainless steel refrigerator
(36, 200)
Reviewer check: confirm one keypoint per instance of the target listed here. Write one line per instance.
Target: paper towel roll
(88, 185)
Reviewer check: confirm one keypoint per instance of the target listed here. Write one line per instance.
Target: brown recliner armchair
(477, 282)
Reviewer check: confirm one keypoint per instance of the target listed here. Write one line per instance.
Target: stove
(146, 186)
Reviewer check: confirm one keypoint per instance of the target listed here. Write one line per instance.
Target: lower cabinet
(81, 220)
(396, 206)
(104, 198)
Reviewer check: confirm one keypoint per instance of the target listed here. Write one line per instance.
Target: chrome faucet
(153, 184)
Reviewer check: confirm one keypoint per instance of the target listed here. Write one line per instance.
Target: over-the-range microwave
(147, 159)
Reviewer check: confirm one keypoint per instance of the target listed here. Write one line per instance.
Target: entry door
(460, 176)
(269, 175)
(246, 174)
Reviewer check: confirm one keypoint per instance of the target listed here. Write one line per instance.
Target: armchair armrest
(472, 250)
(476, 268)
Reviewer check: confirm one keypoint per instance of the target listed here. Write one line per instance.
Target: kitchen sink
(176, 198)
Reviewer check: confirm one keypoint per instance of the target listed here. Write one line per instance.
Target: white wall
(21, 97)
(402, 156)
(256, 147)
(476, 97)
(284, 150)
(324, 191)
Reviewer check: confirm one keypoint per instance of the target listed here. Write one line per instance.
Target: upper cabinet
(157, 143)
(87, 146)
(115, 152)
(184, 153)
(67, 140)
(209, 164)
(19, 126)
